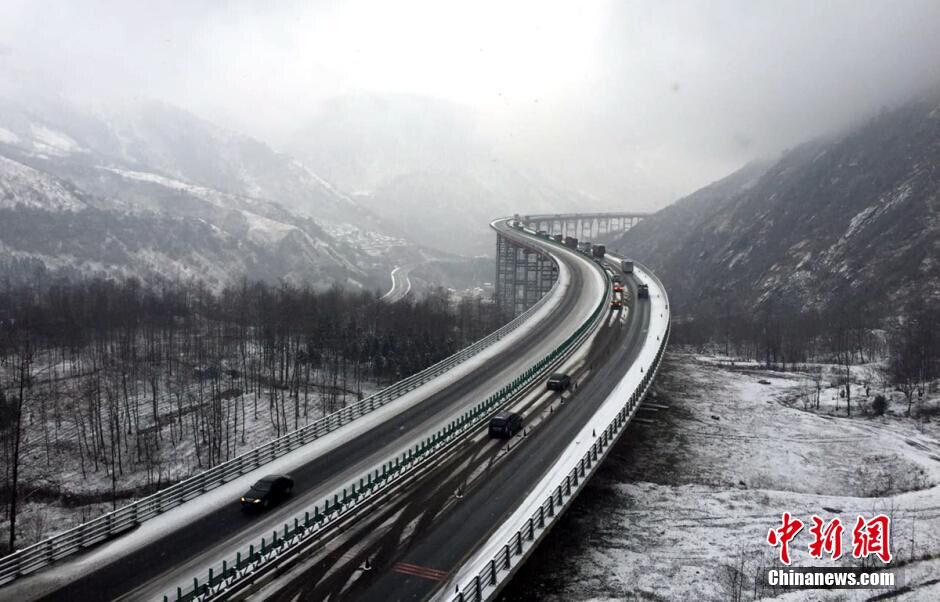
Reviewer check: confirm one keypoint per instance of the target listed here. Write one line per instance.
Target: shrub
(879, 405)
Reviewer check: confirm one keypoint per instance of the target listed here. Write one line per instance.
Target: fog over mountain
(248, 238)
(624, 104)
(151, 191)
(851, 219)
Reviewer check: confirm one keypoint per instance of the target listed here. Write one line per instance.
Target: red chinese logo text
(869, 537)
(784, 534)
(826, 539)
(872, 537)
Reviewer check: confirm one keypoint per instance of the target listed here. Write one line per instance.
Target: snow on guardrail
(247, 566)
(107, 526)
(485, 573)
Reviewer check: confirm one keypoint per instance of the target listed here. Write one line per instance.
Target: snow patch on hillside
(374, 244)
(144, 176)
(8, 137)
(860, 218)
(52, 142)
(264, 230)
(23, 185)
(901, 194)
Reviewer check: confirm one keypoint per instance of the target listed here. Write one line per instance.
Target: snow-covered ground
(24, 185)
(372, 243)
(690, 493)
(64, 489)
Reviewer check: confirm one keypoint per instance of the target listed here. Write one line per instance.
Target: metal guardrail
(107, 526)
(485, 584)
(245, 568)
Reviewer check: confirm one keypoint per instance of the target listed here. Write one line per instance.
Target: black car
(558, 381)
(267, 492)
(505, 424)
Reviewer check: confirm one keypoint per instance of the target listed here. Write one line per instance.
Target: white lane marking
(392, 290)
(391, 295)
(407, 284)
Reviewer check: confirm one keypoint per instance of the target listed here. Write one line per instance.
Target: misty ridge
(221, 225)
(363, 183)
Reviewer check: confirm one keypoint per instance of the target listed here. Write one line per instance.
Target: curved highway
(199, 533)
(421, 545)
(401, 285)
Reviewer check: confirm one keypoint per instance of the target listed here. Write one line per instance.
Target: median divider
(500, 565)
(112, 524)
(250, 565)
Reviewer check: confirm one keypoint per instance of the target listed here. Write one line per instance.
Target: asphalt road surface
(159, 566)
(433, 533)
(401, 285)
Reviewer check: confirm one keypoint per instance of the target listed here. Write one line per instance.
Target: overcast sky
(656, 97)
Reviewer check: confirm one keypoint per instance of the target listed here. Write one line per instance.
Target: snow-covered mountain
(29, 187)
(853, 218)
(453, 209)
(424, 167)
(160, 193)
(155, 137)
(360, 142)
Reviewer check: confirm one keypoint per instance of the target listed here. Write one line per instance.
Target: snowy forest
(112, 390)
(904, 347)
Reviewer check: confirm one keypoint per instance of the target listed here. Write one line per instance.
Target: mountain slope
(79, 196)
(833, 220)
(451, 210)
(363, 141)
(24, 185)
(423, 166)
(152, 136)
(160, 229)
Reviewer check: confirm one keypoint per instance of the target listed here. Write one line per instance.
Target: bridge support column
(523, 276)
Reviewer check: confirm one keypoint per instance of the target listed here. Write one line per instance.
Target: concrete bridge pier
(523, 276)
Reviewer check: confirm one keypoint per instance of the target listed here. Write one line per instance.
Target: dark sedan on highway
(267, 492)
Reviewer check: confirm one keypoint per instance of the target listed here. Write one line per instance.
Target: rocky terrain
(852, 217)
(154, 192)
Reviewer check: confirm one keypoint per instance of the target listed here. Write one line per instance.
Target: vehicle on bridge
(627, 266)
(557, 237)
(616, 303)
(617, 286)
(598, 251)
(585, 247)
(558, 381)
(505, 424)
(543, 234)
(267, 492)
(643, 291)
(571, 242)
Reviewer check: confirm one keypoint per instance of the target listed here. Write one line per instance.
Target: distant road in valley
(401, 285)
